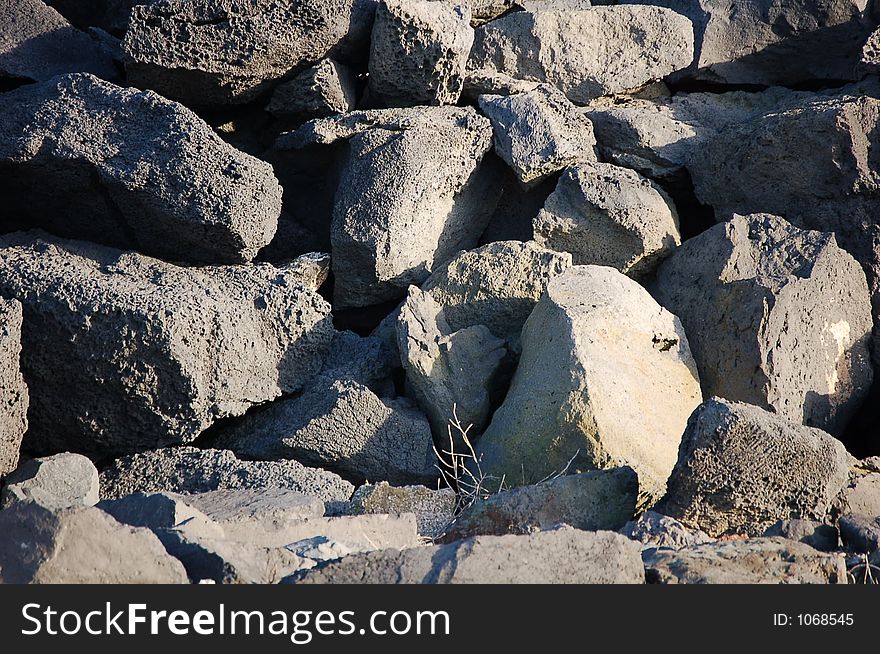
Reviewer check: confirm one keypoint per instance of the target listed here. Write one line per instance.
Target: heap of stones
(404, 290)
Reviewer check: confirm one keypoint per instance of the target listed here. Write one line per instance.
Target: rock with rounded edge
(60, 481)
(538, 132)
(820, 536)
(860, 533)
(776, 316)
(80, 546)
(190, 470)
(655, 530)
(433, 509)
(628, 388)
(13, 390)
(84, 158)
(609, 216)
(109, 15)
(419, 51)
(325, 89)
(146, 353)
(586, 53)
(207, 52)
(591, 501)
(742, 468)
(37, 43)
(562, 555)
(745, 561)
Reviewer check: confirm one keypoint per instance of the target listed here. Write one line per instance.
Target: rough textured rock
(419, 51)
(433, 509)
(862, 494)
(589, 52)
(341, 425)
(870, 59)
(37, 43)
(559, 556)
(83, 158)
(451, 374)
(56, 482)
(819, 536)
(13, 390)
(773, 41)
(411, 194)
(625, 400)
(860, 533)
(206, 52)
(79, 546)
(776, 316)
(832, 142)
(609, 216)
(189, 470)
(238, 509)
(591, 501)
(742, 468)
(145, 353)
(655, 530)
(539, 132)
(323, 90)
(746, 561)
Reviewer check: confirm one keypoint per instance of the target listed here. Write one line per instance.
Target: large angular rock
(86, 159)
(832, 142)
(609, 216)
(411, 194)
(419, 51)
(820, 536)
(37, 43)
(655, 530)
(110, 15)
(766, 42)
(146, 354)
(560, 556)
(56, 482)
(190, 470)
(538, 132)
(745, 561)
(860, 533)
(206, 52)
(629, 385)
(325, 89)
(591, 501)
(862, 494)
(236, 510)
(742, 468)
(776, 316)
(342, 425)
(496, 285)
(451, 374)
(433, 509)
(79, 546)
(586, 53)
(13, 390)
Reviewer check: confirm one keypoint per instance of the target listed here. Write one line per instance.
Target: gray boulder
(237, 510)
(560, 556)
(655, 530)
(86, 159)
(591, 501)
(79, 546)
(37, 43)
(325, 89)
(433, 509)
(451, 374)
(13, 390)
(741, 469)
(862, 494)
(745, 561)
(109, 15)
(870, 59)
(207, 52)
(419, 51)
(625, 399)
(190, 470)
(766, 42)
(538, 132)
(156, 511)
(586, 53)
(56, 482)
(860, 533)
(777, 317)
(147, 354)
(609, 216)
(815, 534)
(341, 425)
(411, 194)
